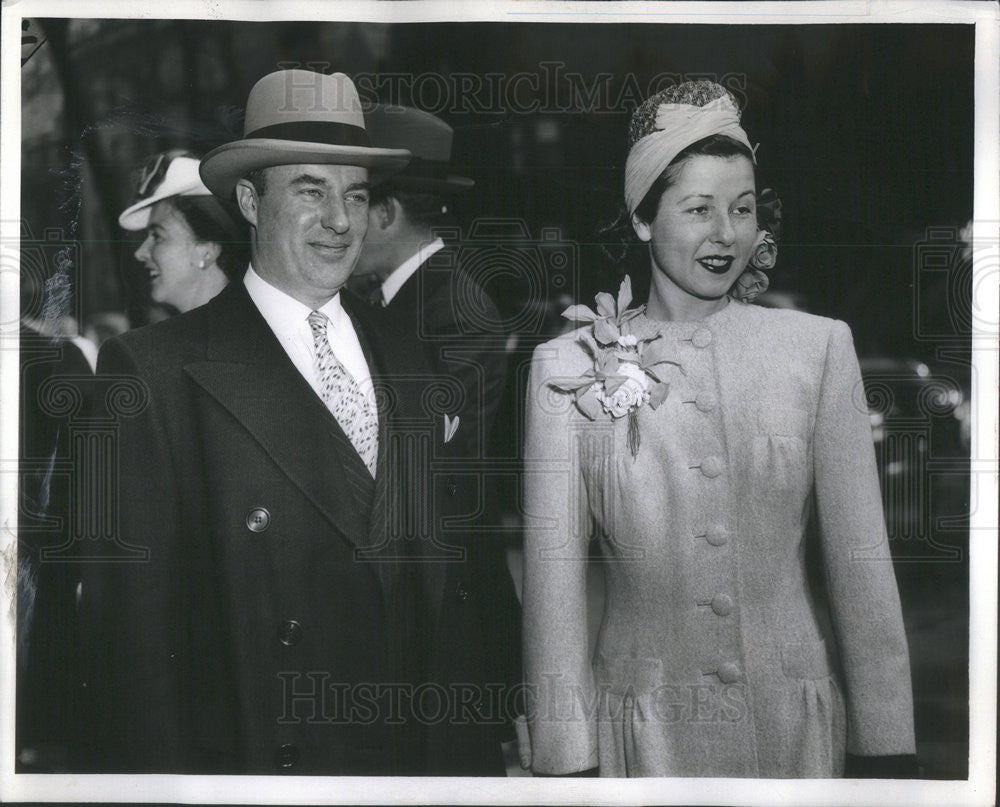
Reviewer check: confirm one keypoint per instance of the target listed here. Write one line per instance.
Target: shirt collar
(282, 312)
(392, 284)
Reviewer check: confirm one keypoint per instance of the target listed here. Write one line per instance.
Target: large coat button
(711, 467)
(702, 338)
(722, 604)
(258, 519)
(286, 756)
(290, 633)
(706, 401)
(729, 672)
(716, 536)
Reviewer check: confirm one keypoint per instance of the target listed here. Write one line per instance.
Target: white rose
(634, 373)
(632, 393)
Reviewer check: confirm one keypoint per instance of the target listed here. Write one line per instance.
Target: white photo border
(979, 789)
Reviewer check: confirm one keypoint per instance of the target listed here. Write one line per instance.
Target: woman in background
(693, 438)
(195, 243)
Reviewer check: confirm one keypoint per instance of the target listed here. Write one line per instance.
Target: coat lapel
(376, 545)
(248, 372)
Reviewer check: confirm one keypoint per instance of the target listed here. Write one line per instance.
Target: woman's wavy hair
(213, 220)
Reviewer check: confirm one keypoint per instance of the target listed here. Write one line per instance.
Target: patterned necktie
(343, 396)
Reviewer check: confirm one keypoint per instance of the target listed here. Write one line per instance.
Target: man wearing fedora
(430, 293)
(276, 482)
(424, 283)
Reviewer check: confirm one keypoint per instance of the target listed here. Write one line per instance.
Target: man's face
(380, 255)
(310, 224)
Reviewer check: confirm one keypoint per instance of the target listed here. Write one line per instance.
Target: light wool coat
(734, 641)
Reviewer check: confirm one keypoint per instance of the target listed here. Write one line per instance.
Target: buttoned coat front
(266, 605)
(720, 652)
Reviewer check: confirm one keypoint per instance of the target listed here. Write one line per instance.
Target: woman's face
(705, 227)
(172, 255)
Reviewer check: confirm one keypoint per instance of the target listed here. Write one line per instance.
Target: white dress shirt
(289, 320)
(392, 284)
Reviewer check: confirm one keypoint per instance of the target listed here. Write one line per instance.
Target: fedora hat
(428, 138)
(299, 117)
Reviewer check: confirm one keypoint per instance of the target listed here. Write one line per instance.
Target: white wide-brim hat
(299, 117)
(181, 178)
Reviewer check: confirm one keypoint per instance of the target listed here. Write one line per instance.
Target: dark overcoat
(266, 605)
(443, 308)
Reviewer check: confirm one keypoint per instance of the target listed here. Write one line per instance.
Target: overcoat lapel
(376, 546)
(248, 372)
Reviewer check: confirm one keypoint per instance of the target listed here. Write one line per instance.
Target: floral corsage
(753, 281)
(628, 371)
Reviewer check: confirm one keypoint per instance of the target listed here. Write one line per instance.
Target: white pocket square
(450, 427)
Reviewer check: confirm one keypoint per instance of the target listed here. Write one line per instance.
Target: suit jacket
(446, 311)
(457, 323)
(280, 606)
(720, 652)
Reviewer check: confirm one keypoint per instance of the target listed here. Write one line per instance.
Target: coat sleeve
(864, 600)
(132, 631)
(557, 667)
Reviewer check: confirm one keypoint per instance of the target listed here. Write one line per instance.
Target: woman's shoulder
(796, 326)
(566, 354)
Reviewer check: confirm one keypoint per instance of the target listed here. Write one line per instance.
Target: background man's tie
(343, 396)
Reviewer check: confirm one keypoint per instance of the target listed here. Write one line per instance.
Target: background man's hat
(299, 117)
(169, 173)
(427, 137)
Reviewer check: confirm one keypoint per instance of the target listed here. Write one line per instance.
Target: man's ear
(246, 198)
(385, 212)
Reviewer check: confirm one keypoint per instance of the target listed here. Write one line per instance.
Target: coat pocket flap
(809, 660)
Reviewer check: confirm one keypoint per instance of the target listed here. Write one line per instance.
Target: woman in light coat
(694, 440)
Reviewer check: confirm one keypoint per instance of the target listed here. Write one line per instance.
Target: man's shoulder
(177, 339)
(453, 289)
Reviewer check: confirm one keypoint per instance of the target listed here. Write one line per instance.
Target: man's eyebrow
(308, 179)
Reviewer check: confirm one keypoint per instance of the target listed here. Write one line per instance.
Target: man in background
(437, 296)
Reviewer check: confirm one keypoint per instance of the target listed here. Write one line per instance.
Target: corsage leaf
(624, 295)
(658, 394)
(605, 304)
(579, 313)
(605, 332)
(588, 404)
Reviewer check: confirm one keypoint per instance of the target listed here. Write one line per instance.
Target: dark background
(866, 133)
